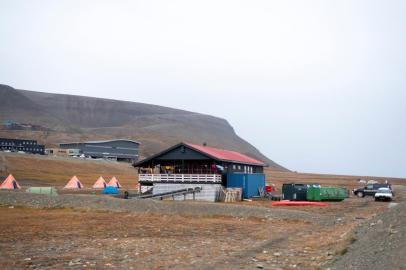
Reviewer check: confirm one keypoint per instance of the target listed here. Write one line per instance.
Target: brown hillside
(77, 118)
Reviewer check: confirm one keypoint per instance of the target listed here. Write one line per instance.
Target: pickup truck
(383, 194)
(370, 190)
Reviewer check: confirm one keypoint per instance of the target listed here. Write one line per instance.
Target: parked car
(370, 189)
(384, 194)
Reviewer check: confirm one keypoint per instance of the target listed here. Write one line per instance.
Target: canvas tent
(74, 183)
(10, 183)
(114, 183)
(100, 183)
(110, 190)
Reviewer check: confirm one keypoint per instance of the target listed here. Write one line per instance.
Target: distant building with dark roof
(119, 149)
(23, 145)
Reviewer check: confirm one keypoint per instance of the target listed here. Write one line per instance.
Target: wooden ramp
(172, 194)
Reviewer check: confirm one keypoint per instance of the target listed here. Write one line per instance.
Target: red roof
(225, 155)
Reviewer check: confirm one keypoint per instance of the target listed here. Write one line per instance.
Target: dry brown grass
(31, 170)
(152, 241)
(348, 181)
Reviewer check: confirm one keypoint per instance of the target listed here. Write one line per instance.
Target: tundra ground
(90, 237)
(75, 231)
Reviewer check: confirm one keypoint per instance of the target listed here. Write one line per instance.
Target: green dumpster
(326, 194)
(43, 190)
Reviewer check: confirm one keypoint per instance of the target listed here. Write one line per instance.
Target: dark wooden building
(187, 158)
(187, 163)
(27, 146)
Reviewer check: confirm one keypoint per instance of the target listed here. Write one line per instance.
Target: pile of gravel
(192, 208)
(380, 242)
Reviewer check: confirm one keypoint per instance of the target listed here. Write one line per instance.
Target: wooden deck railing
(213, 178)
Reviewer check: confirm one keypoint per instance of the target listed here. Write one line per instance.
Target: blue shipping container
(250, 183)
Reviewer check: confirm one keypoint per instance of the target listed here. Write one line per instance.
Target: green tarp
(43, 190)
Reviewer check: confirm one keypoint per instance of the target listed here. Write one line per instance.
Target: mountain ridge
(79, 118)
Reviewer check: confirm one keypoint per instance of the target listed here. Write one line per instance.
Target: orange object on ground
(100, 183)
(114, 183)
(74, 183)
(297, 203)
(10, 183)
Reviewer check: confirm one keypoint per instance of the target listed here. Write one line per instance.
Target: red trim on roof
(226, 155)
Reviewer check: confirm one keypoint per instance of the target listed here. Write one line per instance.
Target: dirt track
(94, 232)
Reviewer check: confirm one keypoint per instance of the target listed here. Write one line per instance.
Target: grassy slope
(32, 170)
(349, 181)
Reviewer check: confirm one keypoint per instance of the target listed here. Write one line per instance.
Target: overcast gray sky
(318, 86)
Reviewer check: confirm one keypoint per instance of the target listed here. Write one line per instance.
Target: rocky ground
(190, 208)
(96, 232)
(380, 243)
